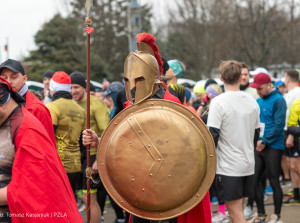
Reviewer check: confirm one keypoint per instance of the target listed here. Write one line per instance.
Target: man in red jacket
(33, 184)
(142, 75)
(14, 73)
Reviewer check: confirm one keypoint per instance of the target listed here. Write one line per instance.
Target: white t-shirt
(236, 114)
(289, 97)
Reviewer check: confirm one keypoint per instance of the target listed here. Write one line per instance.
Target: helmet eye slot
(139, 79)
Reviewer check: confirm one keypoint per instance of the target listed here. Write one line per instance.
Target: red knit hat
(60, 81)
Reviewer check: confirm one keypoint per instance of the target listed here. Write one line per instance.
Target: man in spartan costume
(142, 72)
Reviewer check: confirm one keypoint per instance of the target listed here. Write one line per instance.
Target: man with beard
(270, 145)
(99, 119)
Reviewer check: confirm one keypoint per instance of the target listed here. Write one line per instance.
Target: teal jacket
(272, 114)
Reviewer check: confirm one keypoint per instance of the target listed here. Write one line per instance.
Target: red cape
(39, 190)
(199, 214)
(39, 110)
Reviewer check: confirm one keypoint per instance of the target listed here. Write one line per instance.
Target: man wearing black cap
(99, 119)
(14, 73)
(46, 82)
(30, 168)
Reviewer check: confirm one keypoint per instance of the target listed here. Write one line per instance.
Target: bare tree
(260, 26)
(259, 32)
(201, 27)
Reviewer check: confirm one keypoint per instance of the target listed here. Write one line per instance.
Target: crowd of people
(44, 135)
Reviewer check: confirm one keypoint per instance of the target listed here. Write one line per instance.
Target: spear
(89, 30)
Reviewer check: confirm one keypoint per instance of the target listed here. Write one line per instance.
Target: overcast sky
(21, 19)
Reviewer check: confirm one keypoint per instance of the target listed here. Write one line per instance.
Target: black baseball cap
(13, 65)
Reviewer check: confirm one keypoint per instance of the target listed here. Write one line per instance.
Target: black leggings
(268, 160)
(101, 198)
(263, 183)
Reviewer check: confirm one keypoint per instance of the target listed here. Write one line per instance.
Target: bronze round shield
(157, 159)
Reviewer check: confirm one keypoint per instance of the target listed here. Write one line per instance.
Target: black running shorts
(75, 180)
(94, 185)
(233, 188)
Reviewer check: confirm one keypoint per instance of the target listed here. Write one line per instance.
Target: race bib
(262, 129)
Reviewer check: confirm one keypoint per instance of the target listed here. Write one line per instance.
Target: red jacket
(39, 110)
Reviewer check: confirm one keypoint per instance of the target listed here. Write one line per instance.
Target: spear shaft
(88, 162)
(89, 30)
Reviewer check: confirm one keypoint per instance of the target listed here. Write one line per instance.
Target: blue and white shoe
(269, 190)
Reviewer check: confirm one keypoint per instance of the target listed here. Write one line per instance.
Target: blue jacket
(272, 114)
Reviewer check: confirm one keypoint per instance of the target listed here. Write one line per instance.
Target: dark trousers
(268, 160)
(263, 183)
(101, 198)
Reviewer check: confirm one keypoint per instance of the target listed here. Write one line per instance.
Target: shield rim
(210, 165)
